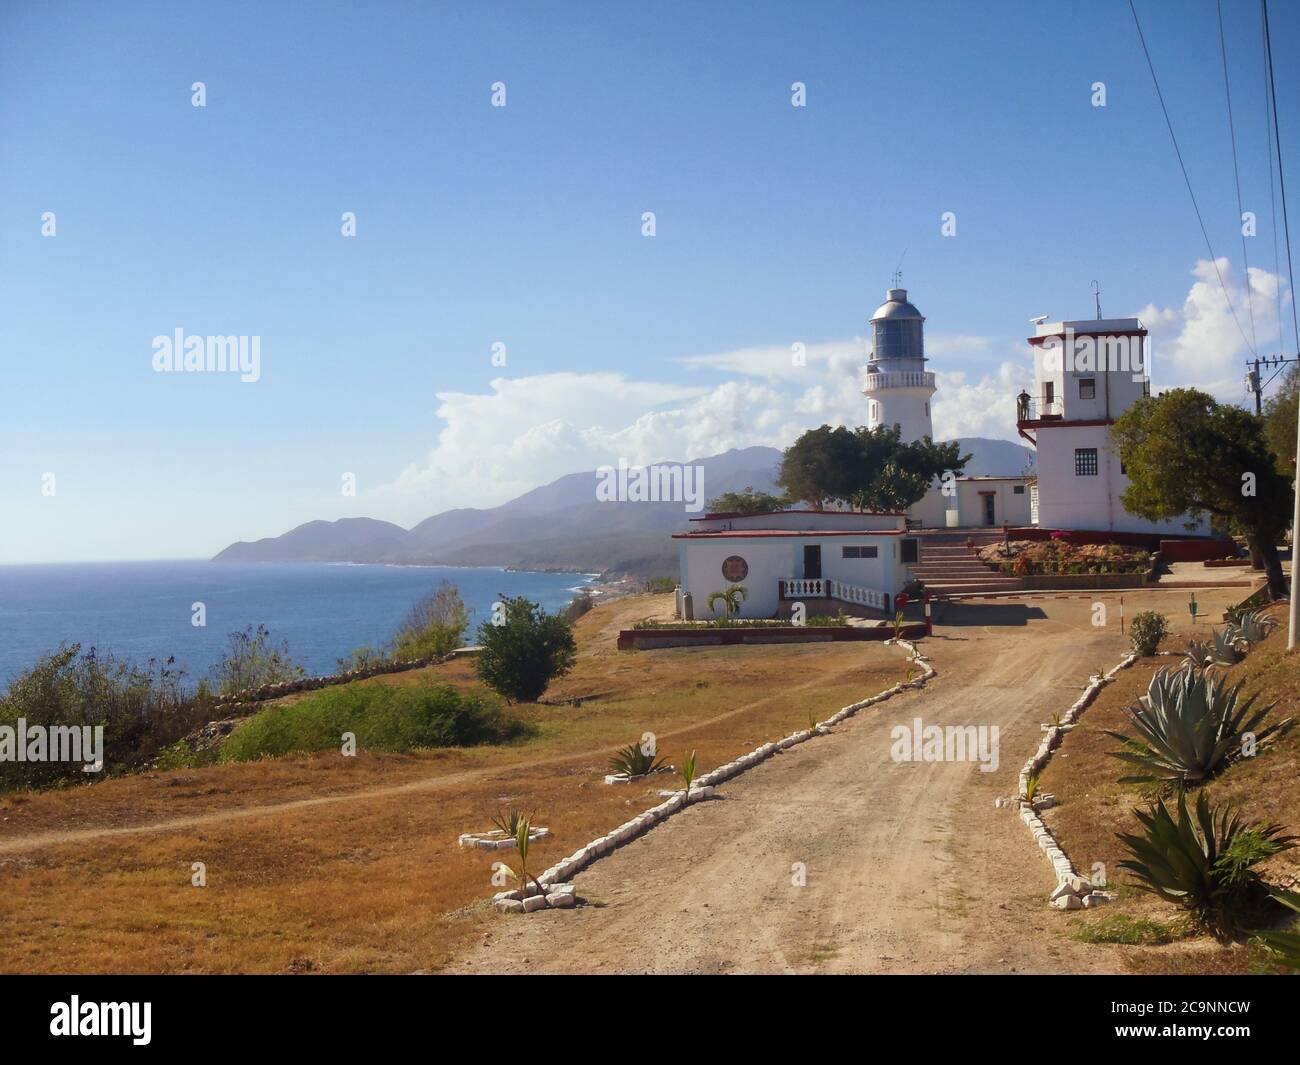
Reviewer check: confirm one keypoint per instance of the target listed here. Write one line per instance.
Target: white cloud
(986, 407)
(527, 431)
(1200, 344)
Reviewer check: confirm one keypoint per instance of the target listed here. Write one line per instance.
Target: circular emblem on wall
(735, 568)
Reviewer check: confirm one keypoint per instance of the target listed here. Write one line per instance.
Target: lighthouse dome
(897, 331)
(896, 306)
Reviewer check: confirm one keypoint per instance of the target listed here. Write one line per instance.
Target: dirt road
(909, 868)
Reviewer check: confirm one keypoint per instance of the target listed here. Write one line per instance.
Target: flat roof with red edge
(774, 513)
(751, 533)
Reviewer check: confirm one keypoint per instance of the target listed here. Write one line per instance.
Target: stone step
(968, 588)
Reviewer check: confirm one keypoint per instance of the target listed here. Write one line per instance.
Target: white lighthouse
(898, 387)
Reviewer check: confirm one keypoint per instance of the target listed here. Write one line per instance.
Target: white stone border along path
(1072, 891)
(559, 893)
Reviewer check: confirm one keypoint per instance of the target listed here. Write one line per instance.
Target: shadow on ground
(990, 614)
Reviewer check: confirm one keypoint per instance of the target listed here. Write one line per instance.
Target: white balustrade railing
(825, 588)
(803, 587)
(898, 379)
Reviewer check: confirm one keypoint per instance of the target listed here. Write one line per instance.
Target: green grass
(381, 716)
(1132, 931)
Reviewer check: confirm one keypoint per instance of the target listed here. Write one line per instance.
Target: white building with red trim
(819, 558)
(1086, 374)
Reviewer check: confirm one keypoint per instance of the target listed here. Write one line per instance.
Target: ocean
(143, 610)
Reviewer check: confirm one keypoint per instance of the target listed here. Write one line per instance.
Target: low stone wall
(1065, 582)
(1073, 891)
(711, 636)
(306, 684)
(702, 787)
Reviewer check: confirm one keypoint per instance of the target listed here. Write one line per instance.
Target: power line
(1281, 179)
(1186, 180)
(1272, 199)
(1236, 174)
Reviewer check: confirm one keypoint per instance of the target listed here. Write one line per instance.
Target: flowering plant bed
(774, 632)
(1058, 557)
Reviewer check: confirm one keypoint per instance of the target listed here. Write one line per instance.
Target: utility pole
(1254, 387)
(1293, 611)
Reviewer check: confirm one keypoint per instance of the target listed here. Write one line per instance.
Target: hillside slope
(560, 525)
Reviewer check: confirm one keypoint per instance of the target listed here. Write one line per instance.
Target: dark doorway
(812, 561)
(910, 554)
(989, 518)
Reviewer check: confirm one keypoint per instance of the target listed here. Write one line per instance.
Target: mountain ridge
(560, 525)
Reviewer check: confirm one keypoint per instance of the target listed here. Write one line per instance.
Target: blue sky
(522, 225)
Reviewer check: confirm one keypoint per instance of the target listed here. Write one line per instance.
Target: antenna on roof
(1096, 293)
(897, 279)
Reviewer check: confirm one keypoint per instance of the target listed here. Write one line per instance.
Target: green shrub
(252, 661)
(1146, 630)
(525, 652)
(384, 717)
(435, 626)
(141, 710)
(659, 585)
(582, 603)
(1192, 726)
(1204, 864)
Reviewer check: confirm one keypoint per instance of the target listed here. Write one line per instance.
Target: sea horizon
(140, 610)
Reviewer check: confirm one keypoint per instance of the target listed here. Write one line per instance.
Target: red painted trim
(1037, 341)
(772, 513)
(1051, 423)
(743, 534)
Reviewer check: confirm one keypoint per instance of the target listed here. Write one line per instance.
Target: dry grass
(363, 874)
(1094, 807)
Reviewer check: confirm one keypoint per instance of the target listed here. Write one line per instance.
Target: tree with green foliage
(253, 661)
(141, 709)
(746, 501)
(1280, 412)
(866, 469)
(523, 649)
(1187, 454)
(434, 627)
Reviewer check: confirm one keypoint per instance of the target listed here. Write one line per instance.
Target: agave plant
(1190, 727)
(1204, 862)
(1284, 946)
(508, 821)
(634, 761)
(1253, 626)
(1031, 788)
(1222, 649)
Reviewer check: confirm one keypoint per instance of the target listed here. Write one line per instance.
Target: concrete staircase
(949, 568)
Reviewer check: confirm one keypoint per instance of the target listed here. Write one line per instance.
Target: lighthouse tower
(897, 386)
